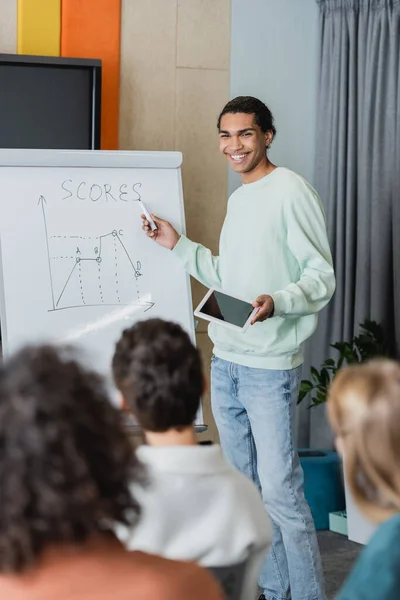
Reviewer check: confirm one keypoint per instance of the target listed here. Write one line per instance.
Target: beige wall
(174, 81)
(8, 26)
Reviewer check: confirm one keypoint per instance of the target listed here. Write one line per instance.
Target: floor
(338, 556)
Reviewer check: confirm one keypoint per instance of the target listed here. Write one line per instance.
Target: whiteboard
(76, 266)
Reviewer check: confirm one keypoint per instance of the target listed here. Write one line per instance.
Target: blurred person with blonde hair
(364, 411)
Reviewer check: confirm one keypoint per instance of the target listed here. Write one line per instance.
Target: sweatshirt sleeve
(308, 242)
(198, 262)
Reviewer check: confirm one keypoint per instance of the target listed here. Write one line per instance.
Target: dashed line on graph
(80, 281)
(116, 269)
(74, 237)
(103, 276)
(100, 287)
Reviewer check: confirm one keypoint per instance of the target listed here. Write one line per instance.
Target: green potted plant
(368, 344)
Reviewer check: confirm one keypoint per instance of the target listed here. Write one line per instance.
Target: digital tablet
(226, 310)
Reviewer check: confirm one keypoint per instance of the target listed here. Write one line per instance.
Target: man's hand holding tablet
(223, 309)
(265, 306)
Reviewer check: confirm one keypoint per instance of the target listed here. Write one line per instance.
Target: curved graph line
(137, 274)
(114, 234)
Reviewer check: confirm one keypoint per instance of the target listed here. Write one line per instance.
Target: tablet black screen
(228, 309)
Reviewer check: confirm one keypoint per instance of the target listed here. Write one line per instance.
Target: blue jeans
(254, 410)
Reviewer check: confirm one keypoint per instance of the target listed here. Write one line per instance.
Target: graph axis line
(42, 201)
(148, 304)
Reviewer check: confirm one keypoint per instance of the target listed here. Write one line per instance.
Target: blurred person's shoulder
(171, 580)
(376, 574)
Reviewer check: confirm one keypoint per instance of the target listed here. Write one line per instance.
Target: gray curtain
(358, 174)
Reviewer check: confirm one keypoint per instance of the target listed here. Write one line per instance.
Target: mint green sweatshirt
(273, 241)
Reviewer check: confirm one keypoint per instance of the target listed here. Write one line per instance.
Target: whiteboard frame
(120, 159)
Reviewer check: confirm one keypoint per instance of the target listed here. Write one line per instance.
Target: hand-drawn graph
(92, 270)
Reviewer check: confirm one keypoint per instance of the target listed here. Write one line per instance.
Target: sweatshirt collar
(196, 460)
(260, 182)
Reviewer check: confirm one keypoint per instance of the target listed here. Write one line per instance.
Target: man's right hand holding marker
(165, 234)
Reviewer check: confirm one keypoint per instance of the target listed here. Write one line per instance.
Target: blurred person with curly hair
(66, 465)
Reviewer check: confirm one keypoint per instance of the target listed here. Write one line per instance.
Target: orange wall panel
(92, 29)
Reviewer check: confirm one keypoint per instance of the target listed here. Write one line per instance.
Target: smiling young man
(273, 251)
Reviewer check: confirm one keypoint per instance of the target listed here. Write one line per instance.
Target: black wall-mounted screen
(49, 103)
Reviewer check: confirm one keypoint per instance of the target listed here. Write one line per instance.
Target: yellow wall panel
(39, 26)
